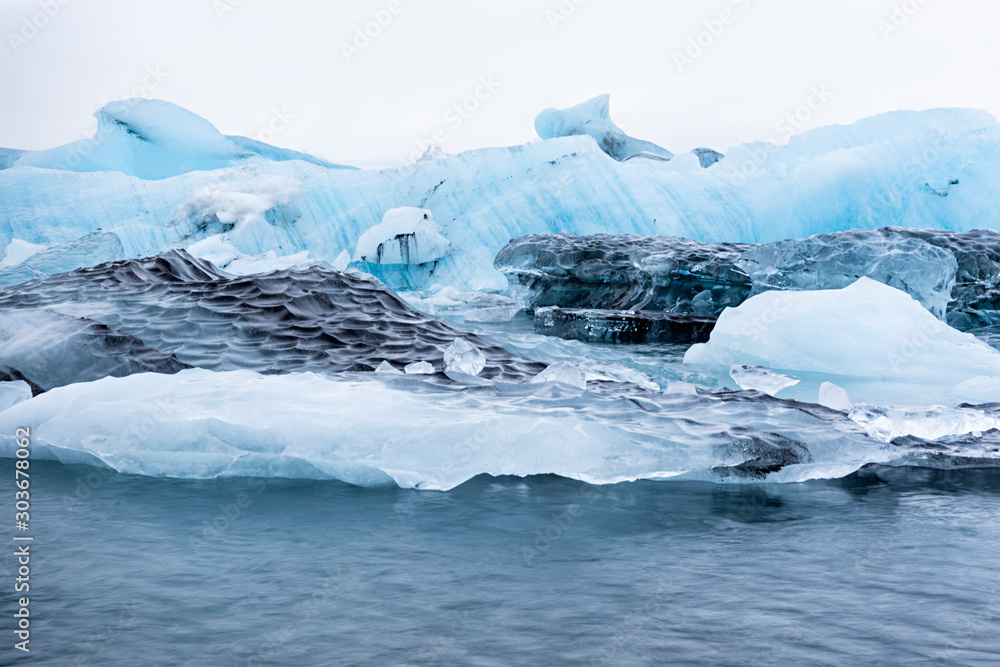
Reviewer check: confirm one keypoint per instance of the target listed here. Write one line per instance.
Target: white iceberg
(834, 397)
(464, 357)
(562, 372)
(406, 235)
(866, 330)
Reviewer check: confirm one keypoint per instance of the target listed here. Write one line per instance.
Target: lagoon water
(883, 567)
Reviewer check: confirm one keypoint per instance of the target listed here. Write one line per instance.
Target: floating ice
(464, 357)
(834, 397)
(441, 301)
(360, 429)
(419, 368)
(593, 118)
(406, 235)
(930, 423)
(758, 378)
(867, 330)
(12, 393)
(564, 373)
(386, 367)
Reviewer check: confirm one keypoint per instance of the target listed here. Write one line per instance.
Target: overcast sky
(247, 64)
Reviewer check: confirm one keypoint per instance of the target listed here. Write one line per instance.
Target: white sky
(235, 70)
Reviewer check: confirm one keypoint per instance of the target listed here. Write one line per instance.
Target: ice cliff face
(889, 170)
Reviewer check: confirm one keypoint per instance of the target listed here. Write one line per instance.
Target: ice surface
(981, 389)
(618, 326)
(869, 174)
(406, 235)
(419, 368)
(834, 397)
(49, 350)
(315, 319)
(221, 252)
(624, 272)
(386, 367)
(442, 301)
(831, 261)
(17, 251)
(867, 330)
(12, 393)
(593, 118)
(758, 378)
(153, 139)
(929, 423)
(464, 357)
(562, 372)
(89, 250)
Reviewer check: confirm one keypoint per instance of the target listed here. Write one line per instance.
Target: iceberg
(624, 272)
(188, 311)
(617, 326)
(831, 261)
(17, 252)
(153, 139)
(866, 330)
(593, 118)
(406, 235)
(870, 174)
(95, 248)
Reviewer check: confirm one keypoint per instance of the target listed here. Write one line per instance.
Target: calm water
(889, 568)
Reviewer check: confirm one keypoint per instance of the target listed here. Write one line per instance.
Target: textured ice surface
(153, 139)
(50, 350)
(406, 235)
(831, 261)
(593, 118)
(464, 357)
(758, 378)
(929, 423)
(869, 174)
(12, 393)
(315, 319)
(359, 428)
(865, 330)
(562, 372)
(624, 272)
(834, 397)
(619, 326)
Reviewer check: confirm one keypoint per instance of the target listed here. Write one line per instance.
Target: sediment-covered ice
(620, 326)
(624, 272)
(186, 309)
(866, 330)
(406, 235)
